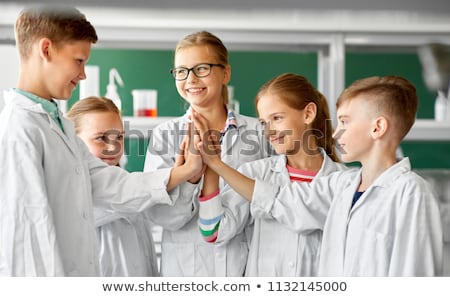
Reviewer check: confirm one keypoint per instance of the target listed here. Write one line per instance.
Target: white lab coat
(49, 181)
(125, 244)
(393, 230)
(184, 251)
(275, 250)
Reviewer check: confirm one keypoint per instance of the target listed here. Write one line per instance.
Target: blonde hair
(90, 105)
(297, 92)
(391, 96)
(58, 23)
(214, 43)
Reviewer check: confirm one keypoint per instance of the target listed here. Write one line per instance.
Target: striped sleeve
(210, 214)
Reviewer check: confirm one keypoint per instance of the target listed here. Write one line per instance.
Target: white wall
(9, 69)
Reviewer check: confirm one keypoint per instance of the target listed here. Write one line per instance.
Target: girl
(295, 117)
(201, 75)
(125, 240)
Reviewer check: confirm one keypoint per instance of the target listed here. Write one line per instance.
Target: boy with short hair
(381, 219)
(48, 177)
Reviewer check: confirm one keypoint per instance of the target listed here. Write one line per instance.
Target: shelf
(140, 127)
(429, 130)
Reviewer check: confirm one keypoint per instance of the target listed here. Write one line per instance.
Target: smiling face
(64, 68)
(206, 91)
(284, 126)
(353, 133)
(103, 134)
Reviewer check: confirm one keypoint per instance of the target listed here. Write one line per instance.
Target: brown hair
(58, 23)
(297, 92)
(391, 96)
(90, 105)
(214, 43)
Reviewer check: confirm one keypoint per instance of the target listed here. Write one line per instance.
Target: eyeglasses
(200, 70)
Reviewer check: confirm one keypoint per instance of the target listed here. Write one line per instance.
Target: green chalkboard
(136, 150)
(430, 154)
(149, 69)
(139, 69)
(250, 70)
(407, 65)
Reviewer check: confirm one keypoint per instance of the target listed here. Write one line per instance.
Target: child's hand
(208, 146)
(188, 164)
(191, 155)
(179, 160)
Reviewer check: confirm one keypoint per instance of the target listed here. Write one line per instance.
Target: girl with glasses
(202, 72)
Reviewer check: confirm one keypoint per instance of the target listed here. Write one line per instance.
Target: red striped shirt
(299, 175)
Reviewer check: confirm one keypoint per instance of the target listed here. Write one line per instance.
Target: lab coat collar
(279, 164)
(385, 180)
(390, 175)
(17, 100)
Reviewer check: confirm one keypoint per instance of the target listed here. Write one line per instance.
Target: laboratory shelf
(140, 127)
(429, 130)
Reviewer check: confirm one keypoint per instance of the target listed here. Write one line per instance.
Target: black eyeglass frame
(211, 65)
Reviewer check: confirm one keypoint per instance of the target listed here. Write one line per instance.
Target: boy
(49, 179)
(383, 219)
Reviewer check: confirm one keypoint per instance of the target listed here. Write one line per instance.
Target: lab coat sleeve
(103, 217)
(113, 188)
(234, 209)
(174, 217)
(27, 232)
(236, 215)
(162, 149)
(301, 207)
(418, 243)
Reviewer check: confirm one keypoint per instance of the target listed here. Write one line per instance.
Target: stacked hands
(200, 147)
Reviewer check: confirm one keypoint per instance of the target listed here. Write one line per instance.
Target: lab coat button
(291, 264)
(78, 170)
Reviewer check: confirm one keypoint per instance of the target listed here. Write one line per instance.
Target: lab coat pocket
(243, 257)
(236, 258)
(178, 259)
(374, 253)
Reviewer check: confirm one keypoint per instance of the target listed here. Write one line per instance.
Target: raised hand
(208, 146)
(179, 159)
(191, 153)
(188, 164)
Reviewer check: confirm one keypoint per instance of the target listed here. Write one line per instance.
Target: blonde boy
(383, 219)
(48, 177)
